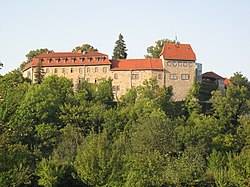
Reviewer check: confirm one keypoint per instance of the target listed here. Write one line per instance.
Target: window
(115, 76)
(80, 70)
(63, 70)
(104, 70)
(180, 63)
(64, 60)
(115, 88)
(159, 76)
(81, 59)
(71, 70)
(72, 60)
(185, 76)
(169, 63)
(49, 60)
(185, 64)
(88, 80)
(173, 76)
(88, 70)
(89, 59)
(79, 80)
(96, 69)
(174, 63)
(135, 76)
(97, 59)
(47, 70)
(96, 80)
(190, 64)
(57, 60)
(55, 70)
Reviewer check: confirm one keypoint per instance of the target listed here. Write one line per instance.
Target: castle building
(175, 67)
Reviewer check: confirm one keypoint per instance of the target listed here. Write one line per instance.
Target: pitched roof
(137, 64)
(178, 52)
(53, 59)
(211, 74)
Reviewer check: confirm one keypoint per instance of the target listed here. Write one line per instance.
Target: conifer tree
(39, 73)
(120, 49)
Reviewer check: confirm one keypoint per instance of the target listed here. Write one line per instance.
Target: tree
(32, 54)
(1, 65)
(154, 51)
(84, 48)
(39, 73)
(120, 49)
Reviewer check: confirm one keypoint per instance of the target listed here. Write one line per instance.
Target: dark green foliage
(154, 51)
(120, 49)
(84, 48)
(51, 136)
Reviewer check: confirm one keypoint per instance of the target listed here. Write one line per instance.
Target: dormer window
(49, 60)
(73, 60)
(89, 59)
(81, 59)
(103, 59)
(64, 60)
(97, 59)
(57, 60)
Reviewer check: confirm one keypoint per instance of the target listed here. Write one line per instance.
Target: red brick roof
(65, 59)
(211, 74)
(137, 64)
(178, 52)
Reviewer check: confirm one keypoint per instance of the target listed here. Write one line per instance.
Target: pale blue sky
(218, 30)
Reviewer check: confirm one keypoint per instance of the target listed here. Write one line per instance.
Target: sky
(218, 30)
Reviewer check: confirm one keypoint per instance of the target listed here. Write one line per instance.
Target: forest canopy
(52, 136)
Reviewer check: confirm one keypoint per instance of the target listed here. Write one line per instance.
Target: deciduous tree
(154, 51)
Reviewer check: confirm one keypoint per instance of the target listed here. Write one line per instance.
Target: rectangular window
(88, 70)
(115, 88)
(80, 70)
(135, 76)
(173, 76)
(104, 70)
(159, 76)
(55, 70)
(96, 69)
(71, 70)
(96, 80)
(63, 70)
(185, 76)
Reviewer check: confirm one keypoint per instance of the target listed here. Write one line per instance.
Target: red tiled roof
(137, 64)
(211, 74)
(178, 52)
(68, 56)
(226, 82)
